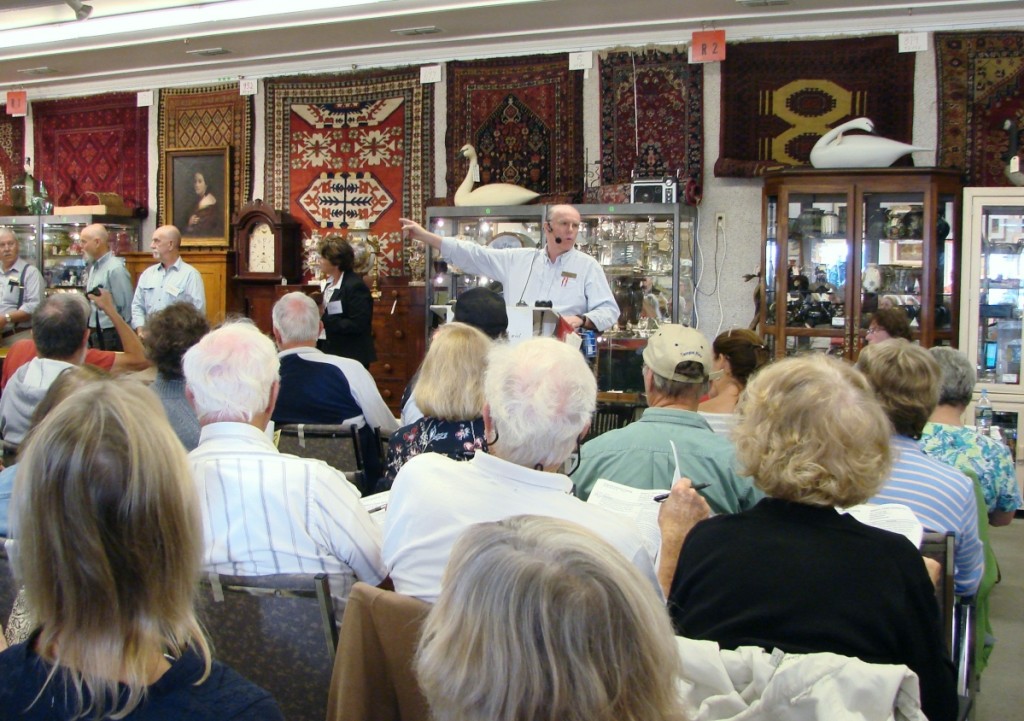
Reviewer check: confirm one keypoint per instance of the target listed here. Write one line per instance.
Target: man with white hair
(169, 281)
(21, 288)
(266, 512)
(539, 395)
(105, 270)
(317, 387)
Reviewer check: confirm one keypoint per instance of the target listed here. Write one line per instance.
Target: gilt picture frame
(197, 194)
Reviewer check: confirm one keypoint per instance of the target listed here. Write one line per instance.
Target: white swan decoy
(492, 193)
(834, 150)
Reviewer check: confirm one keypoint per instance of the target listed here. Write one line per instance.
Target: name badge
(172, 290)
(567, 274)
(334, 308)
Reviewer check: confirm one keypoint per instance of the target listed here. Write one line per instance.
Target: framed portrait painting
(197, 194)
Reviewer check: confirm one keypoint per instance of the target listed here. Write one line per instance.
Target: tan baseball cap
(673, 344)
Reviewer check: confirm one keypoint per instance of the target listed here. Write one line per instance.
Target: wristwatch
(7, 317)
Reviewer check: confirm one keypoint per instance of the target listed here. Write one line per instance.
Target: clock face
(261, 249)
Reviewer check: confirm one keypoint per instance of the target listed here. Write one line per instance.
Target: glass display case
(645, 250)
(52, 243)
(839, 245)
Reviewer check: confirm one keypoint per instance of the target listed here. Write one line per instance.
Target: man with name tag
(21, 289)
(571, 280)
(169, 281)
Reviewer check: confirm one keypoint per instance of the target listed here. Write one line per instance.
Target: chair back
(335, 444)
(373, 673)
(939, 547)
(610, 416)
(8, 586)
(277, 631)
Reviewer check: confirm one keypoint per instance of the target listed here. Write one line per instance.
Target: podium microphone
(529, 275)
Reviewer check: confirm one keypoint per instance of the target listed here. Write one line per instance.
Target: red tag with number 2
(707, 46)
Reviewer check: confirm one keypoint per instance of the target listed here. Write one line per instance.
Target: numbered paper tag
(17, 102)
(707, 46)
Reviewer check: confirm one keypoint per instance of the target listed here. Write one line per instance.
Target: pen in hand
(661, 497)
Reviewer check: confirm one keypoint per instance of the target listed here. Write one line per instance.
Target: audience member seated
(132, 359)
(479, 307)
(793, 573)
(945, 438)
(738, 354)
(169, 333)
(450, 391)
(677, 367)
(317, 387)
(887, 323)
(540, 395)
(266, 512)
(60, 329)
(64, 385)
(541, 619)
(905, 378)
(110, 542)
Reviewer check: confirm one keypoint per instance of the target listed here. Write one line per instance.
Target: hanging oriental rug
(12, 153)
(524, 116)
(350, 148)
(651, 102)
(778, 98)
(95, 144)
(214, 116)
(981, 86)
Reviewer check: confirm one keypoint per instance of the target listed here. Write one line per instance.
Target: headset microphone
(552, 230)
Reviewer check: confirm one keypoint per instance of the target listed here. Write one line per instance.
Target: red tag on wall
(707, 46)
(17, 102)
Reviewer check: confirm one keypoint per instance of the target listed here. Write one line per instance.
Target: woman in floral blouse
(946, 439)
(450, 394)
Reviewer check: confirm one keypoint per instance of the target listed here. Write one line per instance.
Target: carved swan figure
(834, 150)
(492, 193)
(1014, 176)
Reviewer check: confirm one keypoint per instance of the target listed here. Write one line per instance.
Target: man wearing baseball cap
(677, 369)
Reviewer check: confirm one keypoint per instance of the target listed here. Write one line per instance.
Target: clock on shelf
(268, 244)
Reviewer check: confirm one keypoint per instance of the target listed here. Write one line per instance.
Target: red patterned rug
(209, 117)
(661, 93)
(524, 116)
(778, 98)
(350, 148)
(12, 153)
(98, 143)
(981, 85)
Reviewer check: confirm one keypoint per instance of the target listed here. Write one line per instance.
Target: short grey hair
(4, 230)
(231, 372)
(59, 323)
(541, 394)
(296, 318)
(681, 389)
(958, 376)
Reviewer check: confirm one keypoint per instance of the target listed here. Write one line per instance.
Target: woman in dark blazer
(347, 309)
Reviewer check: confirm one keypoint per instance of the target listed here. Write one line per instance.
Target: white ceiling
(293, 38)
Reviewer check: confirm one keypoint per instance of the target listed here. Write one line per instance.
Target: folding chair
(8, 586)
(348, 448)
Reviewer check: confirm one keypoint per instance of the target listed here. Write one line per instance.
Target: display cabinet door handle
(386, 393)
(399, 334)
(394, 294)
(387, 368)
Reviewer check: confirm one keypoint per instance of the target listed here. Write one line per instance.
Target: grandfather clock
(268, 259)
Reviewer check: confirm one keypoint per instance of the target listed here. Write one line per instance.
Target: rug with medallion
(981, 87)
(778, 98)
(651, 116)
(344, 149)
(12, 153)
(98, 143)
(212, 116)
(524, 116)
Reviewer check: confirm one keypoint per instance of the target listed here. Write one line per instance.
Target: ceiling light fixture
(425, 30)
(208, 52)
(81, 11)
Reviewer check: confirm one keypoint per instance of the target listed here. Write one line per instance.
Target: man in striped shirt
(266, 512)
(906, 379)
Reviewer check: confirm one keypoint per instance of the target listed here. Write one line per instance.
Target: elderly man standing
(317, 387)
(266, 512)
(105, 270)
(169, 281)
(61, 333)
(21, 291)
(574, 282)
(539, 395)
(678, 366)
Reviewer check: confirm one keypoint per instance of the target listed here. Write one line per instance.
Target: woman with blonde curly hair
(109, 544)
(540, 618)
(795, 574)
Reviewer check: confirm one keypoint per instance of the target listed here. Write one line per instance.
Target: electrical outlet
(720, 221)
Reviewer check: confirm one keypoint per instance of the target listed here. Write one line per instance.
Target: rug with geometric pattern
(981, 86)
(211, 116)
(96, 144)
(12, 154)
(348, 148)
(651, 116)
(524, 117)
